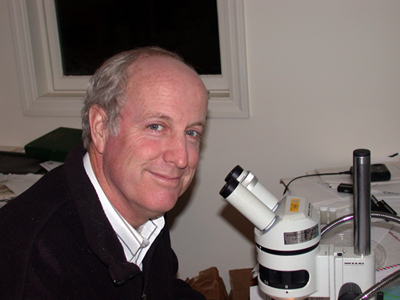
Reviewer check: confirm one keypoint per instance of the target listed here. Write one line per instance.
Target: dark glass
(93, 30)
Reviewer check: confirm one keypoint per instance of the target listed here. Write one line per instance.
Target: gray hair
(107, 86)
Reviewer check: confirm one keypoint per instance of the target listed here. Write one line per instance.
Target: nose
(177, 152)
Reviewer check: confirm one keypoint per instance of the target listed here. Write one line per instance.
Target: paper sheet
(19, 183)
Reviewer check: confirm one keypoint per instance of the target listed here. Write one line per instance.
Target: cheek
(118, 158)
(193, 162)
(131, 147)
(193, 152)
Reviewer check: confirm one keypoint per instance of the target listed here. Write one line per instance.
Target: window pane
(93, 30)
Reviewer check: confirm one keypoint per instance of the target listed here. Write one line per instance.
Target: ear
(98, 129)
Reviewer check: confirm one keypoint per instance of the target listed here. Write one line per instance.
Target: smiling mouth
(166, 178)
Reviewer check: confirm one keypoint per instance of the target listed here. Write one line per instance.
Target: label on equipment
(297, 237)
(294, 205)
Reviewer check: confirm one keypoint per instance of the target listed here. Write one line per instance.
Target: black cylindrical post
(362, 201)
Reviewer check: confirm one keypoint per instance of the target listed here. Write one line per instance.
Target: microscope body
(294, 264)
(349, 274)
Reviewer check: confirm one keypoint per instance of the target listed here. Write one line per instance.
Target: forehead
(165, 81)
(156, 69)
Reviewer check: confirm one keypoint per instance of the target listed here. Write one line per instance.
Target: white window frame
(45, 91)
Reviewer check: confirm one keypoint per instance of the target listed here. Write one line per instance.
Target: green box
(54, 145)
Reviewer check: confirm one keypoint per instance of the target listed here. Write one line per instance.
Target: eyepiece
(229, 187)
(235, 173)
(249, 181)
(248, 204)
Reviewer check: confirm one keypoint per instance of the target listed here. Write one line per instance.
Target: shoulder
(47, 201)
(24, 220)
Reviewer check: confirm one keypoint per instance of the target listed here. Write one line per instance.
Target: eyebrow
(167, 118)
(199, 123)
(158, 116)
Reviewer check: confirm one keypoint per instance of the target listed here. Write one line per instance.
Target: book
(54, 145)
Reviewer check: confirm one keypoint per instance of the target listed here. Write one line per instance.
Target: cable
(310, 175)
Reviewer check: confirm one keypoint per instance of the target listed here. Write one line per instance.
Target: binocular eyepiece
(250, 197)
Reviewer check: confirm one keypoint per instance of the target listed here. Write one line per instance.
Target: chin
(165, 203)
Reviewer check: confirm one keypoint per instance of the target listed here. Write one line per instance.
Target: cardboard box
(241, 280)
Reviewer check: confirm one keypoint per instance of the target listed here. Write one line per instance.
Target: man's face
(152, 160)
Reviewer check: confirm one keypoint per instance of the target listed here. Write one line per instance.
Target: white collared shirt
(135, 243)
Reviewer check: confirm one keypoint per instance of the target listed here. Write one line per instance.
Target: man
(94, 227)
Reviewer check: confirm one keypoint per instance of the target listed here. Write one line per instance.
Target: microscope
(293, 262)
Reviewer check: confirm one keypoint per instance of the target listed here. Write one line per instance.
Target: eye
(193, 133)
(156, 127)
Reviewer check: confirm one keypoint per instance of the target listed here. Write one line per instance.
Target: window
(90, 31)
(50, 88)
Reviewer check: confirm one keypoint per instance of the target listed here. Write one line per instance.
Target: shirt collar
(134, 243)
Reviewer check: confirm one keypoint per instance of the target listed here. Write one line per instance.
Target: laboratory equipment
(293, 262)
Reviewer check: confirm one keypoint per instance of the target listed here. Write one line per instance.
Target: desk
(18, 173)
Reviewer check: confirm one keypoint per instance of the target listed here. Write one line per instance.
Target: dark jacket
(56, 243)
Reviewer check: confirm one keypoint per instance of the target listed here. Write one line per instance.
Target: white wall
(323, 81)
